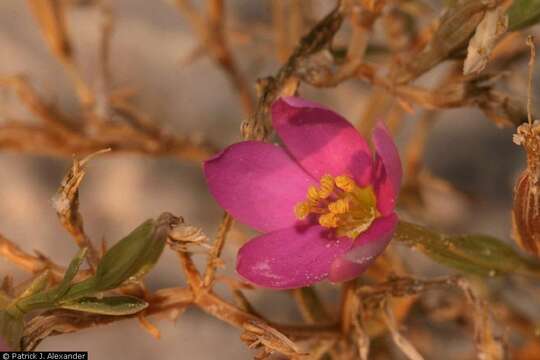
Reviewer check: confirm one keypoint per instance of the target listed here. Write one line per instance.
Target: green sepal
(113, 305)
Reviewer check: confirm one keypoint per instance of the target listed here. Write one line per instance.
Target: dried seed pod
(526, 211)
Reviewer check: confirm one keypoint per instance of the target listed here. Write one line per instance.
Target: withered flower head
(526, 211)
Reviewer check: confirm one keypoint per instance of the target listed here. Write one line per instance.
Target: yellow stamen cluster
(341, 205)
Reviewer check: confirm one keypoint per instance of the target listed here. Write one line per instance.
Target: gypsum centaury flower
(324, 202)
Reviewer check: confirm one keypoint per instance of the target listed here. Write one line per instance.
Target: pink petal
(387, 169)
(365, 250)
(290, 258)
(322, 141)
(258, 184)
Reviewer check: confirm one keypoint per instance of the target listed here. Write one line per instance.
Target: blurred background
(152, 49)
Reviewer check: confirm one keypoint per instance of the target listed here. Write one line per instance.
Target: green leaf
(523, 13)
(70, 274)
(37, 285)
(136, 254)
(122, 260)
(11, 329)
(130, 258)
(113, 305)
(35, 298)
(476, 254)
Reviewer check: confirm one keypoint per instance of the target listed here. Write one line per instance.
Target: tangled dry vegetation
(387, 44)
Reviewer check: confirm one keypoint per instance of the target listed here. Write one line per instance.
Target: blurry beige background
(121, 191)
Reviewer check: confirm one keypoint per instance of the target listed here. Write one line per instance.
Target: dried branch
(311, 307)
(286, 81)
(30, 263)
(488, 346)
(66, 205)
(406, 54)
(210, 28)
(215, 252)
(50, 15)
(401, 342)
(60, 136)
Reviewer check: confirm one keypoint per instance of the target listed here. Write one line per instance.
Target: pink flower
(324, 202)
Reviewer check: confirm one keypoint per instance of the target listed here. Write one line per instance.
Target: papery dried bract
(456, 26)
(487, 33)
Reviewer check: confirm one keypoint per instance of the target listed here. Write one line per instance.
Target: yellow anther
(302, 210)
(313, 193)
(328, 220)
(345, 183)
(327, 186)
(340, 206)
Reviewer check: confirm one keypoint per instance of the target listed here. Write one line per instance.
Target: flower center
(340, 204)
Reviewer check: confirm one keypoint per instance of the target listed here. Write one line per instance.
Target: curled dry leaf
(456, 25)
(66, 205)
(490, 29)
(258, 334)
(182, 237)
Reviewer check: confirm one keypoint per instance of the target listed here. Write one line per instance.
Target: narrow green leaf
(37, 285)
(82, 289)
(70, 274)
(476, 254)
(113, 305)
(11, 329)
(523, 13)
(35, 298)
